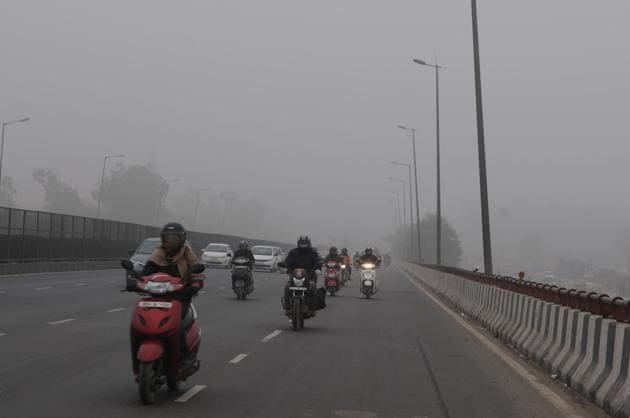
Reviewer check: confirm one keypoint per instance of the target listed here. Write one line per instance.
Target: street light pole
(100, 188)
(438, 217)
(483, 181)
(415, 171)
(194, 222)
(165, 182)
(5, 124)
(410, 207)
(403, 197)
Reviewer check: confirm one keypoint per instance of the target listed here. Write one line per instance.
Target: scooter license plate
(154, 304)
(297, 288)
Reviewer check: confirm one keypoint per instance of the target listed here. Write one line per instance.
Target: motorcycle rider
(175, 257)
(245, 252)
(369, 257)
(347, 260)
(333, 255)
(306, 257)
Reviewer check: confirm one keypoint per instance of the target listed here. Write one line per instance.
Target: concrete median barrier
(589, 353)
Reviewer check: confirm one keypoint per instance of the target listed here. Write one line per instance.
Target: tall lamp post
(415, 171)
(483, 181)
(402, 181)
(165, 183)
(438, 218)
(100, 189)
(410, 207)
(194, 222)
(4, 125)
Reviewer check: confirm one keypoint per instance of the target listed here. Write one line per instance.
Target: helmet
(344, 251)
(369, 251)
(173, 236)
(243, 245)
(304, 242)
(333, 250)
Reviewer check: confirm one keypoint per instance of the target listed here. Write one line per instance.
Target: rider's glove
(191, 291)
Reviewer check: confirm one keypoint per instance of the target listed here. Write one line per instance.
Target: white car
(217, 254)
(265, 257)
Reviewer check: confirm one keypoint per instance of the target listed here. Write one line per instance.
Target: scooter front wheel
(147, 382)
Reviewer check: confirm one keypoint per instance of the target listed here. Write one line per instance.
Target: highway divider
(588, 351)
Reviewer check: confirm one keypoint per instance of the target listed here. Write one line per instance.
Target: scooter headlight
(368, 265)
(368, 283)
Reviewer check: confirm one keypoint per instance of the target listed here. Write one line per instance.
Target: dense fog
(278, 118)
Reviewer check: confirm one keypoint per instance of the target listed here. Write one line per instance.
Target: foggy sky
(297, 103)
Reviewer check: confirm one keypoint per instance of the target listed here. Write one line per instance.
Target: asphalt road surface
(64, 352)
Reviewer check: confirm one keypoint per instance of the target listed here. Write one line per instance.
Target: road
(64, 353)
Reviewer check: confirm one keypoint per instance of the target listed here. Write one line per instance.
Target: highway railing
(34, 236)
(596, 303)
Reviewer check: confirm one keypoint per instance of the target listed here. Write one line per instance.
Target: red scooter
(156, 327)
(331, 277)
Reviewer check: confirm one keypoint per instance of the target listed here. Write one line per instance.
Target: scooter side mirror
(282, 264)
(127, 265)
(197, 268)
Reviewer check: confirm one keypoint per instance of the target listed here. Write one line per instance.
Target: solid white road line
(116, 310)
(270, 336)
(545, 391)
(61, 322)
(222, 287)
(192, 392)
(43, 288)
(80, 284)
(238, 358)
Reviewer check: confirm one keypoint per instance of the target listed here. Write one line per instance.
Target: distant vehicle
(140, 255)
(217, 254)
(265, 257)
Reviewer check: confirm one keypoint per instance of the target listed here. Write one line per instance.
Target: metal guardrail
(596, 303)
(29, 236)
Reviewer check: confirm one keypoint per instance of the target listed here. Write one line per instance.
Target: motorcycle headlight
(343, 266)
(368, 283)
(298, 282)
(158, 288)
(368, 266)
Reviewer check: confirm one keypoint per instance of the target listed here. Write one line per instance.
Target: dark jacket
(365, 258)
(306, 258)
(330, 257)
(246, 253)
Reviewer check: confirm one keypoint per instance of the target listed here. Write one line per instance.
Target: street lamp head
(23, 120)
(417, 61)
(402, 127)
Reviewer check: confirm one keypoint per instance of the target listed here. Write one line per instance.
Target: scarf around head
(184, 258)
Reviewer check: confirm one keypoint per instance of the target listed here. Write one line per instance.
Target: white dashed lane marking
(2, 333)
(80, 284)
(238, 358)
(112, 281)
(222, 287)
(116, 310)
(192, 392)
(63, 321)
(43, 288)
(270, 336)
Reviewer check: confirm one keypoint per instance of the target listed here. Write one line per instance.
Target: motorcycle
(156, 325)
(242, 280)
(344, 274)
(369, 285)
(331, 278)
(299, 309)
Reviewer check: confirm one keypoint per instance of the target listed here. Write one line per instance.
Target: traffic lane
(394, 355)
(89, 362)
(10, 285)
(54, 298)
